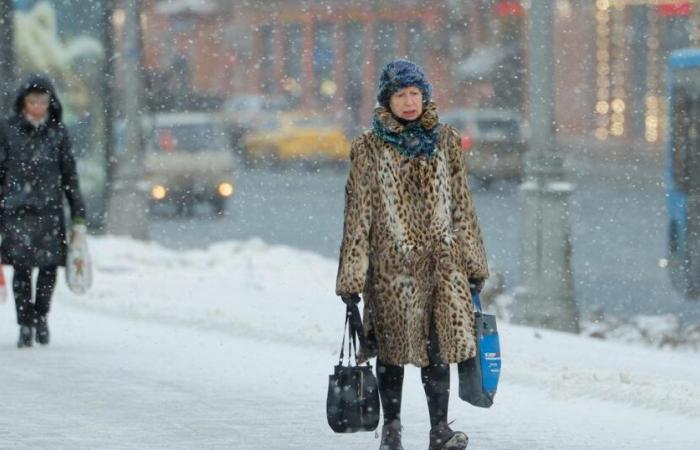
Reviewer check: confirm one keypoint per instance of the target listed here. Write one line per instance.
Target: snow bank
(277, 293)
(248, 288)
(660, 331)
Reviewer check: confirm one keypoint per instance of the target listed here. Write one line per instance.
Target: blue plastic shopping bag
(478, 376)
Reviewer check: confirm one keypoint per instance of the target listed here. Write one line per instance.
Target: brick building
(316, 54)
(609, 54)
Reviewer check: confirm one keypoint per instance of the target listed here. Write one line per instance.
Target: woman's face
(36, 106)
(407, 104)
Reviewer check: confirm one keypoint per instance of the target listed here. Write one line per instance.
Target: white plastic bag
(3, 287)
(79, 263)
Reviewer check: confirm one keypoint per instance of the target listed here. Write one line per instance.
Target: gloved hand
(351, 299)
(78, 232)
(78, 221)
(477, 284)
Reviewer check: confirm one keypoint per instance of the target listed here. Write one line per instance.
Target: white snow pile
(279, 294)
(248, 288)
(660, 331)
(663, 331)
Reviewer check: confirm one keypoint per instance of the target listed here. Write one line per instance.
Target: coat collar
(428, 120)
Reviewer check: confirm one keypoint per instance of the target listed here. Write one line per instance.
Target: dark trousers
(436, 384)
(28, 312)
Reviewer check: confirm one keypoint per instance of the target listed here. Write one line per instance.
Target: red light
(466, 143)
(509, 8)
(168, 142)
(679, 9)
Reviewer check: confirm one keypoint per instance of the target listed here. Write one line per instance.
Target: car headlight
(225, 189)
(159, 192)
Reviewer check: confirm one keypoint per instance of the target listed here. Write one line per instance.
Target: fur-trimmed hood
(40, 83)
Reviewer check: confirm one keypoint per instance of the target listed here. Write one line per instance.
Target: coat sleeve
(4, 154)
(354, 250)
(464, 220)
(69, 180)
(4, 149)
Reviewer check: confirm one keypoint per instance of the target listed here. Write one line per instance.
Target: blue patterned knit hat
(401, 74)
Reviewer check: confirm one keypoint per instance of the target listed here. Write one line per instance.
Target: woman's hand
(78, 231)
(476, 284)
(351, 299)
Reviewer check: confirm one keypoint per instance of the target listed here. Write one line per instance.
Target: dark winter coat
(411, 242)
(37, 169)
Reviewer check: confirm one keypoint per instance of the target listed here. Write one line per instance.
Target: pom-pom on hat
(401, 74)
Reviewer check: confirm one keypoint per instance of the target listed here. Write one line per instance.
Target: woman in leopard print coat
(411, 246)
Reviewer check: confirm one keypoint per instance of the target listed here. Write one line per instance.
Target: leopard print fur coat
(411, 241)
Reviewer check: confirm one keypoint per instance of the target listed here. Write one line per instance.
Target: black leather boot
(443, 438)
(391, 436)
(42, 331)
(26, 335)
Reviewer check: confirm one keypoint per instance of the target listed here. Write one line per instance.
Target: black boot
(26, 335)
(42, 331)
(391, 436)
(443, 438)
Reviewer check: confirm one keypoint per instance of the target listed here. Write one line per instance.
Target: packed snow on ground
(230, 347)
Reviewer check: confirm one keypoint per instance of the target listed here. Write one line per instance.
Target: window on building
(354, 66)
(324, 60)
(386, 45)
(267, 69)
(416, 42)
(292, 60)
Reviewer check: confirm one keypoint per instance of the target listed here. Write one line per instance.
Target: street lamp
(545, 297)
(129, 192)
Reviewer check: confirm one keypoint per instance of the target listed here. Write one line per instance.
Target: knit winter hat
(401, 74)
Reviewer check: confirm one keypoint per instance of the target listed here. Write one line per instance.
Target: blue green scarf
(417, 138)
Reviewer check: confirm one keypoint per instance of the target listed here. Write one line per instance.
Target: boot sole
(457, 442)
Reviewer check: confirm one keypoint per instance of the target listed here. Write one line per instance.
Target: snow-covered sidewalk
(232, 347)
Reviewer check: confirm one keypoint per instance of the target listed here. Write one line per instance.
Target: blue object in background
(683, 165)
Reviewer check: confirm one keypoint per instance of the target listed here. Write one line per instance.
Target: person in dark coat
(37, 169)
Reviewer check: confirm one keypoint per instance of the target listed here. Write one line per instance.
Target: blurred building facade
(317, 54)
(326, 55)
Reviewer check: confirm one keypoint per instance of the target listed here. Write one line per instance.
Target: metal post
(7, 57)
(107, 92)
(128, 203)
(545, 297)
(640, 28)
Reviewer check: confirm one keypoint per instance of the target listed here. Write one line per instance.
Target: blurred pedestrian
(411, 246)
(37, 169)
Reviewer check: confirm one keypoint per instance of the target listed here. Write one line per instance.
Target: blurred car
(243, 113)
(494, 141)
(188, 160)
(287, 137)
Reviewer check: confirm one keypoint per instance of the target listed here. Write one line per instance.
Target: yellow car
(289, 137)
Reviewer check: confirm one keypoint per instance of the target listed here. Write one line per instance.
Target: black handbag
(353, 398)
(478, 376)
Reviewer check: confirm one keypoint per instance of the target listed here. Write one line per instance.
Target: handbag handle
(476, 299)
(347, 332)
(353, 325)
